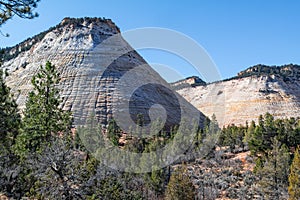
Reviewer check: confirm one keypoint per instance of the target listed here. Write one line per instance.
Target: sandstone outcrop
(98, 69)
(101, 74)
(252, 92)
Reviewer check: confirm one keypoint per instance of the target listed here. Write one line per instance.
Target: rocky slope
(252, 92)
(99, 69)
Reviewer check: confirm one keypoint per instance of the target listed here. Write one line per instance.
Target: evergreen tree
(249, 133)
(21, 8)
(255, 142)
(269, 130)
(180, 186)
(292, 132)
(213, 125)
(10, 118)
(294, 177)
(89, 138)
(232, 136)
(280, 131)
(9, 128)
(225, 138)
(260, 140)
(113, 132)
(43, 116)
(274, 173)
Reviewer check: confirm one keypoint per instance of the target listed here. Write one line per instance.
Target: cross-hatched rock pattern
(98, 70)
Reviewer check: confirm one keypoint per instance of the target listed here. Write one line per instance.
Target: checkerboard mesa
(82, 50)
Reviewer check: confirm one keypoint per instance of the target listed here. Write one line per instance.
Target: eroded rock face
(98, 70)
(250, 94)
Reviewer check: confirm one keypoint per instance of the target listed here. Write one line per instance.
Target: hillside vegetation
(42, 157)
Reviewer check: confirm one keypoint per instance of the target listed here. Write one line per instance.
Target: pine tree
(113, 132)
(21, 8)
(10, 118)
(180, 187)
(274, 173)
(255, 142)
(43, 116)
(260, 140)
(269, 130)
(292, 132)
(249, 134)
(9, 127)
(294, 177)
(213, 125)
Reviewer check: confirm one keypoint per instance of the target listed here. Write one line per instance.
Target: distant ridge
(283, 70)
(256, 70)
(253, 92)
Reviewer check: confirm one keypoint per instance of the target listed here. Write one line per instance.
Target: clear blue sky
(236, 33)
